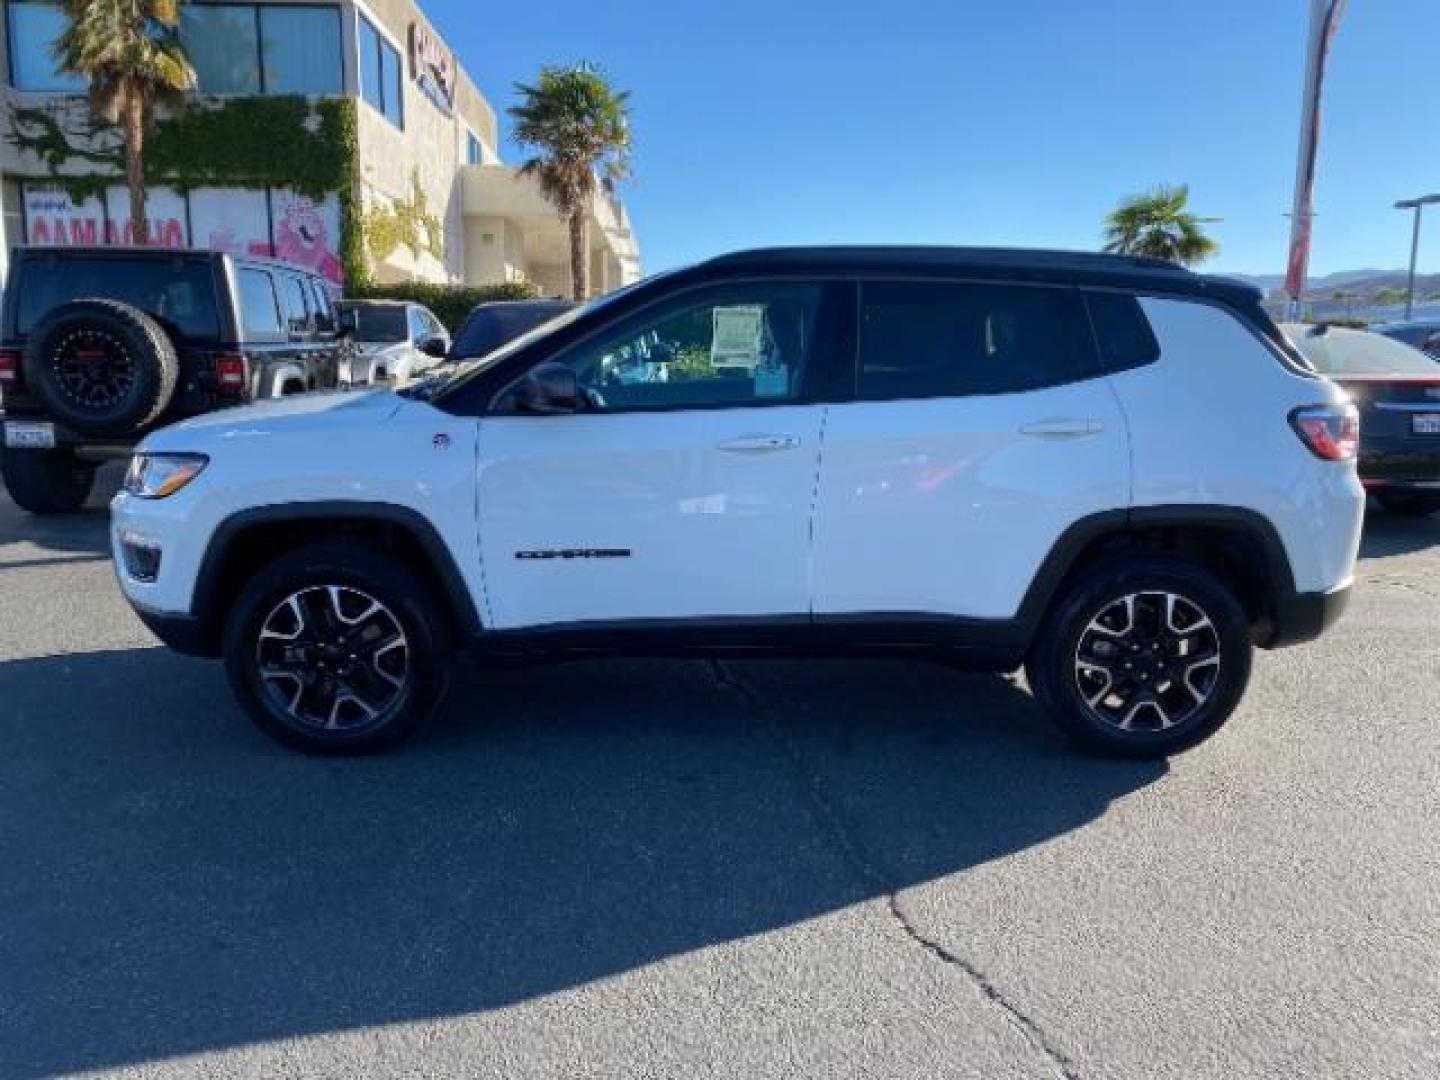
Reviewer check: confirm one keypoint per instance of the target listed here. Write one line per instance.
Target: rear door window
(259, 313)
(924, 339)
(178, 293)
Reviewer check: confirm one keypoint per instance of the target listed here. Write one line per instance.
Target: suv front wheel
(1142, 658)
(336, 649)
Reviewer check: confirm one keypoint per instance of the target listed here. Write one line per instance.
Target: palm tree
(1159, 224)
(580, 126)
(129, 50)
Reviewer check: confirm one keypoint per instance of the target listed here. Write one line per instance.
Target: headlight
(157, 476)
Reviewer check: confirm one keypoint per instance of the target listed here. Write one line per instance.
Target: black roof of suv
(1138, 272)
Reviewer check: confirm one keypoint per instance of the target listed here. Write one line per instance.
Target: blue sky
(989, 121)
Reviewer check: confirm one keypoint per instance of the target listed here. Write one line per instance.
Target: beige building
(431, 199)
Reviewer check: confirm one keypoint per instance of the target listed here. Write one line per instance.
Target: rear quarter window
(297, 304)
(178, 293)
(1123, 336)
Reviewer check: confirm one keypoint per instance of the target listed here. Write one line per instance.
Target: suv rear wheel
(336, 649)
(46, 481)
(1142, 658)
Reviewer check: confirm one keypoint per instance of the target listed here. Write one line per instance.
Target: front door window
(735, 346)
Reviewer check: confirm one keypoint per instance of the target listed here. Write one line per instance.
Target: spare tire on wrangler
(101, 367)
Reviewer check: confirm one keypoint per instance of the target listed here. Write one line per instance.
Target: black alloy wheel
(1142, 656)
(93, 370)
(337, 648)
(333, 657)
(1149, 660)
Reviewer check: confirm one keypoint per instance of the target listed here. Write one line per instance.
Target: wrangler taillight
(1331, 432)
(9, 365)
(230, 373)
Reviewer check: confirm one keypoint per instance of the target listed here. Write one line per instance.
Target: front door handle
(1063, 428)
(759, 444)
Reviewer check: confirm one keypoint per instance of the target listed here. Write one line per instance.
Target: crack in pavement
(831, 822)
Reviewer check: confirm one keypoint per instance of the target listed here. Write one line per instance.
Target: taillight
(9, 365)
(1331, 432)
(230, 373)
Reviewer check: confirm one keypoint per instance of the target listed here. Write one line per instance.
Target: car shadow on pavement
(1387, 535)
(174, 883)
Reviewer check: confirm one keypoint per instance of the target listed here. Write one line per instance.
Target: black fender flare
(1073, 542)
(205, 598)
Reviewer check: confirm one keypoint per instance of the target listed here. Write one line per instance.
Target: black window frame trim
(476, 396)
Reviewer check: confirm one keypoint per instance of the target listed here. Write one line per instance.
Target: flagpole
(1324, 19)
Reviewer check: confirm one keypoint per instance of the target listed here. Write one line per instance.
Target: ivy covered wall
(255, 143)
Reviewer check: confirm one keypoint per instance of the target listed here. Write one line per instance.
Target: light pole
(1418, 205)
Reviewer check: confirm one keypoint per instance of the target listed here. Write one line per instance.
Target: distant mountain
(1356, 291)
(1365, 282)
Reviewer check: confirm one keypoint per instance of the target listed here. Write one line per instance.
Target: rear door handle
(759, 444)
(1064, 428)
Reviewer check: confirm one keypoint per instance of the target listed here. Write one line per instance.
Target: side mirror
(548, 390)
(435, 346)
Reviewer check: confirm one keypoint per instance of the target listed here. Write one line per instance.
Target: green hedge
(450, 303)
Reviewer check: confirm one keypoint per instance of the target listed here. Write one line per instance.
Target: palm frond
(1159, 224)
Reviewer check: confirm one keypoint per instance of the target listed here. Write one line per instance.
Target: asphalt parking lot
(682, 869)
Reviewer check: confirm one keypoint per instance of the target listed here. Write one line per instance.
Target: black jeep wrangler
(99, 346)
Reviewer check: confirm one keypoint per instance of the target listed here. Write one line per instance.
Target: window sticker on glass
(737, 336)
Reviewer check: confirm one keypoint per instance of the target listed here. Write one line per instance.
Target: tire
(1410, 503)
(306, 692)
(101, 367)
(1080, 655)
(46, 481)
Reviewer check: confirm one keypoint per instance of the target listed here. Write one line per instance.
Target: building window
(300, 50)
(474, 154)
(223, 43)
(34, 26)
(380, 78)
(245, 49)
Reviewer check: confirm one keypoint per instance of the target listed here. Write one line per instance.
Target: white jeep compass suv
(1109, 470)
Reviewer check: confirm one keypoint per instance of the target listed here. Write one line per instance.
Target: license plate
(1425, 423)
(32, 436)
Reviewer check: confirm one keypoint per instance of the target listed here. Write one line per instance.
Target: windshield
(384, 323)
(455, 377)
(1359, 352)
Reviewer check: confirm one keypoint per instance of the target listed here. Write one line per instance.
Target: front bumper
(1302, 617)
(183, 633)
(174, 535)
